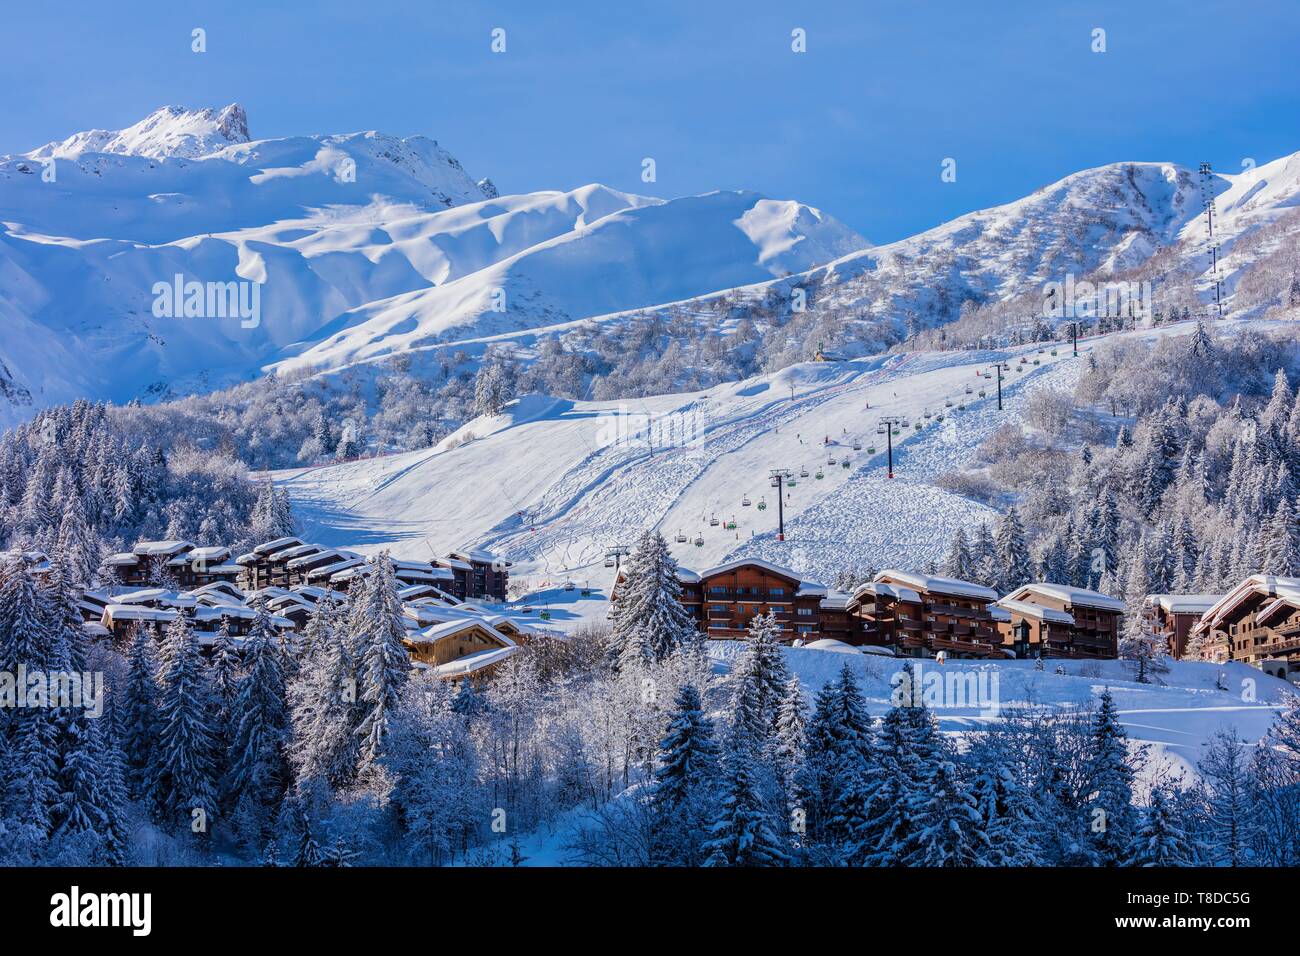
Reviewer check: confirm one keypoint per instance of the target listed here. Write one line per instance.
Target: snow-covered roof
(1026, 609)
(136, 612)
(160, 548)
(737, 563)
(155, 596)
(810, 589)
(214, 553)
(685, 575)
(216, 587)
(456, 563)
(1184, 603)
(1080, 597)
(834, 600)
(473, 662)
(447, 629)
(320, 554)
(936, 584)
(338, 567)
(278, 544)
(95, 630)
(1265, 585)
(122, 559)
(480, 555)
(880, 588)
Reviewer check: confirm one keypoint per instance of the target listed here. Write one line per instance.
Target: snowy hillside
(363, 244)
(551, 484)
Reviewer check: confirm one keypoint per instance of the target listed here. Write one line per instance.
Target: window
(804, 628)
(805, 612)
(776, 592)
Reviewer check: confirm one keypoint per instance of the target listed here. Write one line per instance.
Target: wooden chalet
(1258, 623)
(459, 649)
(726, 598)
(919, 615)
(188, 566)
(1092, 628)
(475, 573)
(1171, 618)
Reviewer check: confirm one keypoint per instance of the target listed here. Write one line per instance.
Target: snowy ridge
(364, 244)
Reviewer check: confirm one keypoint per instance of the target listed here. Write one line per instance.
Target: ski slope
(552, 484)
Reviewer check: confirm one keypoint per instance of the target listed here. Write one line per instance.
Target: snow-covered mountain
(363, 243)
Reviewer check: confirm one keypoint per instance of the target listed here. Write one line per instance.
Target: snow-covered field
(551, 485)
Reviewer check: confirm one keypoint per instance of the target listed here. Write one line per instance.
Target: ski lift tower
(890, 422)
(1207, 200)
(778, 477)
(614, 557)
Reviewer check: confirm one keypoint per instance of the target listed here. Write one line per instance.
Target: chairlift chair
(681, 538)
(831, 461)
(762, 505)
(699, 541)
(819, 476)
(745, 502)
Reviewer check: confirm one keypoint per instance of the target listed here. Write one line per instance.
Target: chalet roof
(1037, 611)
(449, 629)
(809, 589)
(136, 612)
(160, 548)
(880, 588)
(304, 559)
(936, 585)
(329, 570)
(155, 596)
(216, 587)
(457, 563)
(734, 565)
(1075, 597)
(1184, 603)
(685, 575)
(473, 662)
(122, 559)
(279, 544)
(481, 555)
(836, 600)
(1255, 589)
(214, 553)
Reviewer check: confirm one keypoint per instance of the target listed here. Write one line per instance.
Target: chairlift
(545, 615)
(906, 423)
(844, 463)
(916, 425)
(928, 415)
(871, 449)
(831, 461)
(983, 393)
(699, 541)
(857, 446)
(713, 521)
(762, 505)
(947, 403)
(731, 525)
(819, 476)
(969, 389)
(880, 429)
(609, 562)
(570, 586)
(681, 538)
(790, 482)
(939, 417)
(803, 472)
(1037, 362)
(961, 407)
(897, 433)
(1053, 351)
(745, 502)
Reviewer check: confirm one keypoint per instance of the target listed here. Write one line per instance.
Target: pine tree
(138, 715)
(949, 830)
(258, 770)
(791, 742)
(1110, 783)
(325, 711)
(759, 676)
(685, 772)
(1161, 841)
(957, 564)
(1009, 813)
(648, 619)
(742, 833)
(1013, 564)
(1226, 771)
(383, 663)
(183, 782)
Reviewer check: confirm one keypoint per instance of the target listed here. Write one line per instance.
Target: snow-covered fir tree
(648, 620)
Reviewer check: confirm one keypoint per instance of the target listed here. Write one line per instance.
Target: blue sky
(858, 125)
